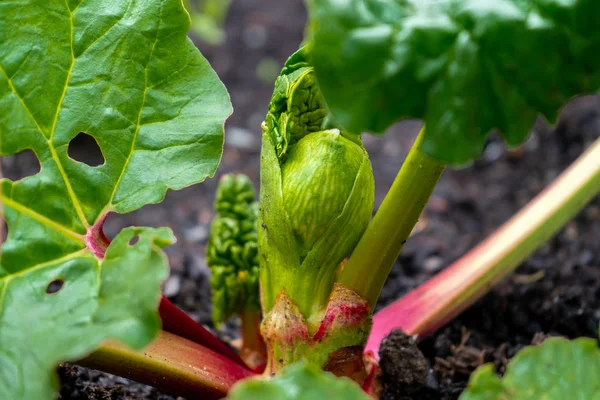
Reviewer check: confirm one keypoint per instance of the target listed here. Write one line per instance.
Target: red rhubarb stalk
(431, 305)
(171, 364)
(179, 323)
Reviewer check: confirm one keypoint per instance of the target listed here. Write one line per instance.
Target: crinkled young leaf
(464, 66)
(298, 382)
(125, 73)
(557, 369)
(302, 244)
(232, 251)
(297, 107)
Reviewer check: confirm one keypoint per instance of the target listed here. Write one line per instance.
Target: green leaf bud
(317, 193)
(318, 178)
(232, 252)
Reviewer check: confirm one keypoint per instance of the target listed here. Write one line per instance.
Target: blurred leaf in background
(208, 18)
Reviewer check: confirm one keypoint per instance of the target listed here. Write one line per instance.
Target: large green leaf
(464, 66)
(298, 382)
(557, 369)
(125, 73)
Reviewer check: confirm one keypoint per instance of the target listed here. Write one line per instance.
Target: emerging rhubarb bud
(316, 198)
(232, 251)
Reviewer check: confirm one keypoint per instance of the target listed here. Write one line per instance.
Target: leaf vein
(59, 165)
(137, 128)
(41, 218)
(105, 32)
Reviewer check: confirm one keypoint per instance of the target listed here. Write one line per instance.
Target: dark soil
(555, 292)
(404, 364)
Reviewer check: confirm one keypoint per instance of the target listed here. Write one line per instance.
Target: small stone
(172, 286)
(197, 234)
(198, 267)
(241, 138)
(533, 142)
(493, 151)
(255, 36)
(431, 381)
(433, 264)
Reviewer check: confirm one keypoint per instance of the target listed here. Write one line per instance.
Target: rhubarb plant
(316, 199)
(126, 74)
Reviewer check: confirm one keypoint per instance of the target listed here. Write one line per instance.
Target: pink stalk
(179, 323)
(171, 364)
(431, 305)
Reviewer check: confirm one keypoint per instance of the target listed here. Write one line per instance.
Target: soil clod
(404, 367)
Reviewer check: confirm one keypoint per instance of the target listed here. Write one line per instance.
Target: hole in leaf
(134, 240)
(84, 148)
(55, 286)
(20, 165)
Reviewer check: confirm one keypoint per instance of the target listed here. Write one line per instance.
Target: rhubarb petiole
(179, 323)
(172, 364)
(371, 262)
(447, 294)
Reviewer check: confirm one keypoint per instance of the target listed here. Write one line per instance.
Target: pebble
(493, 151)
(196, 234)
(255, 36)
(198, 267)
(241, 138)
(433, 264)
(172, 286)
(431, 381)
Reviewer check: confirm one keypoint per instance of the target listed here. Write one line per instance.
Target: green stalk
(444, 296)
(371, 262)
(172, 364)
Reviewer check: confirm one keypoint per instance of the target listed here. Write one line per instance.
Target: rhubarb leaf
(299, 381)
(466, 67)
(125, 73)
(556, 369)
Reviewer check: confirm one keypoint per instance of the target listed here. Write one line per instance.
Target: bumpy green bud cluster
(232, 252)
(297, 106)
(317, 193)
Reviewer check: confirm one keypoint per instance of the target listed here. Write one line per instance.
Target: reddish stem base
(179, 323)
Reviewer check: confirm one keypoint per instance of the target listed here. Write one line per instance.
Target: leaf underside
(557, 369)
(125, 73)
(466, 67)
